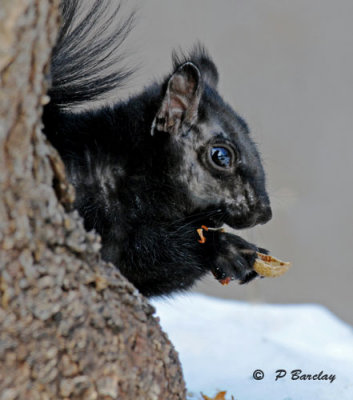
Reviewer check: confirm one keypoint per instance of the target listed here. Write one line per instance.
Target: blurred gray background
(287, 68)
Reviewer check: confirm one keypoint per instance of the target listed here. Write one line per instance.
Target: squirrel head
(218, 165)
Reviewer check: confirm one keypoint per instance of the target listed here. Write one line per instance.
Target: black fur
(146, 171)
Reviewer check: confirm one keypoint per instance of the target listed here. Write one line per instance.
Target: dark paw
(234, 259)
(263, 251)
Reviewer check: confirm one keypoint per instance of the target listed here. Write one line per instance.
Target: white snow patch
(222, 342)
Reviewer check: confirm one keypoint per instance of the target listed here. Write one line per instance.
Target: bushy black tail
(87, 61)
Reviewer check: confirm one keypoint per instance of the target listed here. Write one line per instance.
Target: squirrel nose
(264, 214)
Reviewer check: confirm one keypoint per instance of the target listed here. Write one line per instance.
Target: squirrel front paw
(233, 258)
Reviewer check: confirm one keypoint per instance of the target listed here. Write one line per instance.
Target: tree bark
(70, 325)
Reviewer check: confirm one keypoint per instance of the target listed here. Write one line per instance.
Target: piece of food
(225, 281)
(219, 396)
(205, 228)
(202, 237)
(269, 266)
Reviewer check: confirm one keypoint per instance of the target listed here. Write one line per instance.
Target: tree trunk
(70, 325)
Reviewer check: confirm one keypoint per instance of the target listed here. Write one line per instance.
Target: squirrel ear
(208, 70)
(181, 100)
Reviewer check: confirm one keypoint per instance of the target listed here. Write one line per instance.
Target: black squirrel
(149, 171)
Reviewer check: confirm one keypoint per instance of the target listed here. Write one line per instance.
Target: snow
(222, 342)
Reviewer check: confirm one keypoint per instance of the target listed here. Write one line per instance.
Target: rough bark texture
(70, 325)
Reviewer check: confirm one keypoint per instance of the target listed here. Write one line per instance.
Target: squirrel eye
(221, 156)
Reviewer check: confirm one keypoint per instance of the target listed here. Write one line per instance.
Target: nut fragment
(202, 237)
(225, 281)
(219, 396)
(204, 227)
(269, 266)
